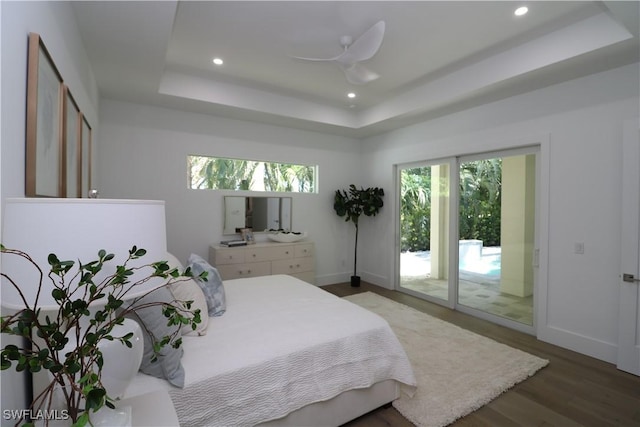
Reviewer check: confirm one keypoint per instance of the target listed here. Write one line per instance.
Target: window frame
(257, 183)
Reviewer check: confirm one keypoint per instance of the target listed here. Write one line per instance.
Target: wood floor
(573, 390)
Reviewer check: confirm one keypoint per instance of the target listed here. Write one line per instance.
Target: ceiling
(436, 57)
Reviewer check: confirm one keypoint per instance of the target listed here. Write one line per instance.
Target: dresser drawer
(282, 252)
(258, 253)
(228, 256)
(291, 266)
(236, 271)
(302, 251)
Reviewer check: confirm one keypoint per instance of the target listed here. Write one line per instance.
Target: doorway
(629, 309)
(468, 234)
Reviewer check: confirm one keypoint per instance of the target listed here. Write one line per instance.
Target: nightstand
(153, 409)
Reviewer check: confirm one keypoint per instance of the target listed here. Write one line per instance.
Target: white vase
(121, 363)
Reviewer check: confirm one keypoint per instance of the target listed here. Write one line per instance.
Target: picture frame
(72, 148)
(85, 155)
(44, 141)
(247, 236)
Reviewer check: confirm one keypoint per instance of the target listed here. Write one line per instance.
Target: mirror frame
(236, 210)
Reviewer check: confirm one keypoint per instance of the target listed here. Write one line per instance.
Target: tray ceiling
(435, 58)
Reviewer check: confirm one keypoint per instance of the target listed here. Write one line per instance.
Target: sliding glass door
(486, 205)
(424, 230)
(496, 242)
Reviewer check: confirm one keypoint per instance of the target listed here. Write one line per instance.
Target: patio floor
(476, 290)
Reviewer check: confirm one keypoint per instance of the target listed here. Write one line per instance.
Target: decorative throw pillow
(188, 290)
(212, 287)
(154, 327)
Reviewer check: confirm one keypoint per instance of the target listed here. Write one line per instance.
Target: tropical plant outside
(479, 204)
(481, 201)
(214, 173)
(415, 209)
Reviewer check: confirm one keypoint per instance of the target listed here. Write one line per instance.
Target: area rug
(457, 371)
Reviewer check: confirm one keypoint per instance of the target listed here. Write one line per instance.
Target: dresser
(265, 259)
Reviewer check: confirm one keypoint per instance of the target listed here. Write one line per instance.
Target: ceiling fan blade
(365, 46)
(358, 74)
(317, 59)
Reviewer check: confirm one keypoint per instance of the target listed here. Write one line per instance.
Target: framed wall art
(44, 130)
(72, 150)
(85, 155)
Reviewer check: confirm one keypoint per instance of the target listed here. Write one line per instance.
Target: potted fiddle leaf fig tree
(352, 204)
(76, 372)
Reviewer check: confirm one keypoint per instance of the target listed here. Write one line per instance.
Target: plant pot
(355, 281)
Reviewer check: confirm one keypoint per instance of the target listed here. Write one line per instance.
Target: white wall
(55, 22)
(580, 124)
(143, 154)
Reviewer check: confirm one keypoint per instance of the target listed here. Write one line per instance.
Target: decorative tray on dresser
(265, 259)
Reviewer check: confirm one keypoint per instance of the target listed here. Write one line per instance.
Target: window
(213, 173)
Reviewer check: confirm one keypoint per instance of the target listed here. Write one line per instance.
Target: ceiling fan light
(218, 61)
(521, 11)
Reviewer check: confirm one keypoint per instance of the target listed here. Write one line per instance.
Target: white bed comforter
(281, 345)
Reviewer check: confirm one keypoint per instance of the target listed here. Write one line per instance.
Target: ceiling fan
(356, 51)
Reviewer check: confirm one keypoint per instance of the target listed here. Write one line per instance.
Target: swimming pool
(488, 265)
(419, 263)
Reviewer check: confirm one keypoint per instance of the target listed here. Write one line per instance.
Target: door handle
(630, 278)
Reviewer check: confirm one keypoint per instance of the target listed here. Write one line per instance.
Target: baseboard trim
(376, 279)
(579, 343)
(331, 279)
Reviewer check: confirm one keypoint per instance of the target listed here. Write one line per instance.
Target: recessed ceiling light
(351, 95)
(218, 61)
(521, 11)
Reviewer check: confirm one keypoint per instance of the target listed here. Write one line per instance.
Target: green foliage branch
(353, 203)
(78, 373)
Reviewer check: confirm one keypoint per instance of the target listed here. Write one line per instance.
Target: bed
(286, 353)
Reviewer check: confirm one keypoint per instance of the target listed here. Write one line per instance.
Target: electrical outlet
(578, 248)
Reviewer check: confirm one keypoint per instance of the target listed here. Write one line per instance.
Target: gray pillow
(168, 365)
(212, 287)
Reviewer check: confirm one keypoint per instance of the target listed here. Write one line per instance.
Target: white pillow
(188, 290)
